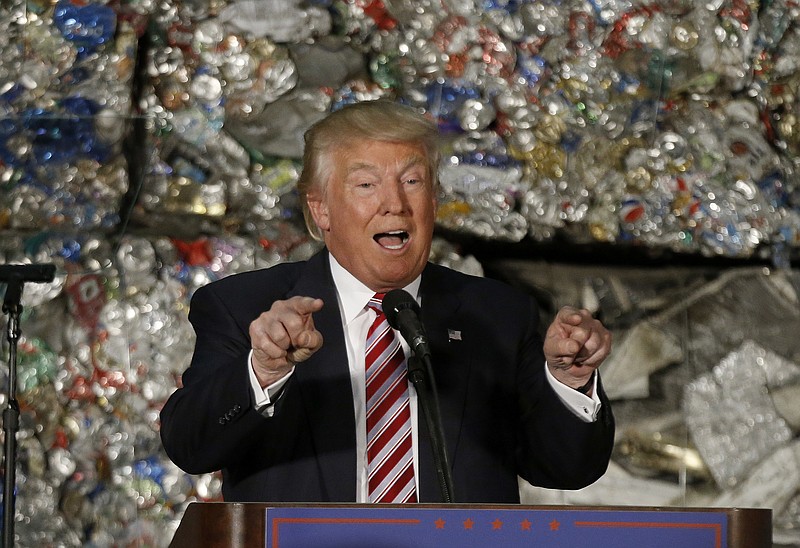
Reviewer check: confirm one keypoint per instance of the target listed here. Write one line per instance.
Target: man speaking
(298, 387)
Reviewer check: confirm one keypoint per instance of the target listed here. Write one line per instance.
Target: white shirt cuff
(263, 396)
(584, 407)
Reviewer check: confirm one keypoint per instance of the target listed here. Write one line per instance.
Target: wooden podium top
(232, 525)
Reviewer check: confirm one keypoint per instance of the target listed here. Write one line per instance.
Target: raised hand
(575, 345)
(283, 337)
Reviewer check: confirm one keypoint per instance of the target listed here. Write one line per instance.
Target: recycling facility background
(636, 158)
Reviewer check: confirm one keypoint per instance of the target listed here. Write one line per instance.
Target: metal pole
(11, 421)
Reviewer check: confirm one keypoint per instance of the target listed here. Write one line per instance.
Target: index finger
(569, 315)
(304, 305)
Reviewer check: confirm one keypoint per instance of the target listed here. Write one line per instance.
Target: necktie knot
(376, 302)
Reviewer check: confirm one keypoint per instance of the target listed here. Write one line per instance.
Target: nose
(394, 199)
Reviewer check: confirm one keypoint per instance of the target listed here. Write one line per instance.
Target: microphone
(16, 275)
(36, 273)
(402, 312)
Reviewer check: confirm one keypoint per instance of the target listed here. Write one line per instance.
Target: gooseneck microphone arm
(14, 277)
(403, 314)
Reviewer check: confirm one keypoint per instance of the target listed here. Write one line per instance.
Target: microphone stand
(14, 278)
(12, 307)
(420, 373)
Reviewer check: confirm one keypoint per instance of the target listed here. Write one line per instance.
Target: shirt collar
(354, 295)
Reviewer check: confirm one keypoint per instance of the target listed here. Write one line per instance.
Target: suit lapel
(451, 370)
(324, 380)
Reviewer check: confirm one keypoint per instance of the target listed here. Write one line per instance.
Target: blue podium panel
(410, 527)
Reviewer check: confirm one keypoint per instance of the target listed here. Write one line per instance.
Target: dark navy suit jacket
(500, 416)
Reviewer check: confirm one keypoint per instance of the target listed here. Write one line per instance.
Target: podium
(345, 525)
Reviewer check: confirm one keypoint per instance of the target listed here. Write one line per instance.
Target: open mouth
(395, 239)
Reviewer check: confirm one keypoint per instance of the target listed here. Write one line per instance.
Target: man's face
(378, 211)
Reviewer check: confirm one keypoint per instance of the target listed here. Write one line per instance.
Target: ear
(319, 211)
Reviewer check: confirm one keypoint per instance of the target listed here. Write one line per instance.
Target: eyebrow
(413, 160)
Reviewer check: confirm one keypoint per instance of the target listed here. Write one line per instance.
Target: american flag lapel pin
(453, 335)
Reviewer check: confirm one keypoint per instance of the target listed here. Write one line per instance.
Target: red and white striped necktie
(390, 461)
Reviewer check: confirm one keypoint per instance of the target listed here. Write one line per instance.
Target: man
(275, 395)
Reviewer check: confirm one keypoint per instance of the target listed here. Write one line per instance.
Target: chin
(400, 278)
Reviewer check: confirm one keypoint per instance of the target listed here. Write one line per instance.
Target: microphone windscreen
(394, 302)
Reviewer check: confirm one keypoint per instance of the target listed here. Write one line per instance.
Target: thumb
(304, 345)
